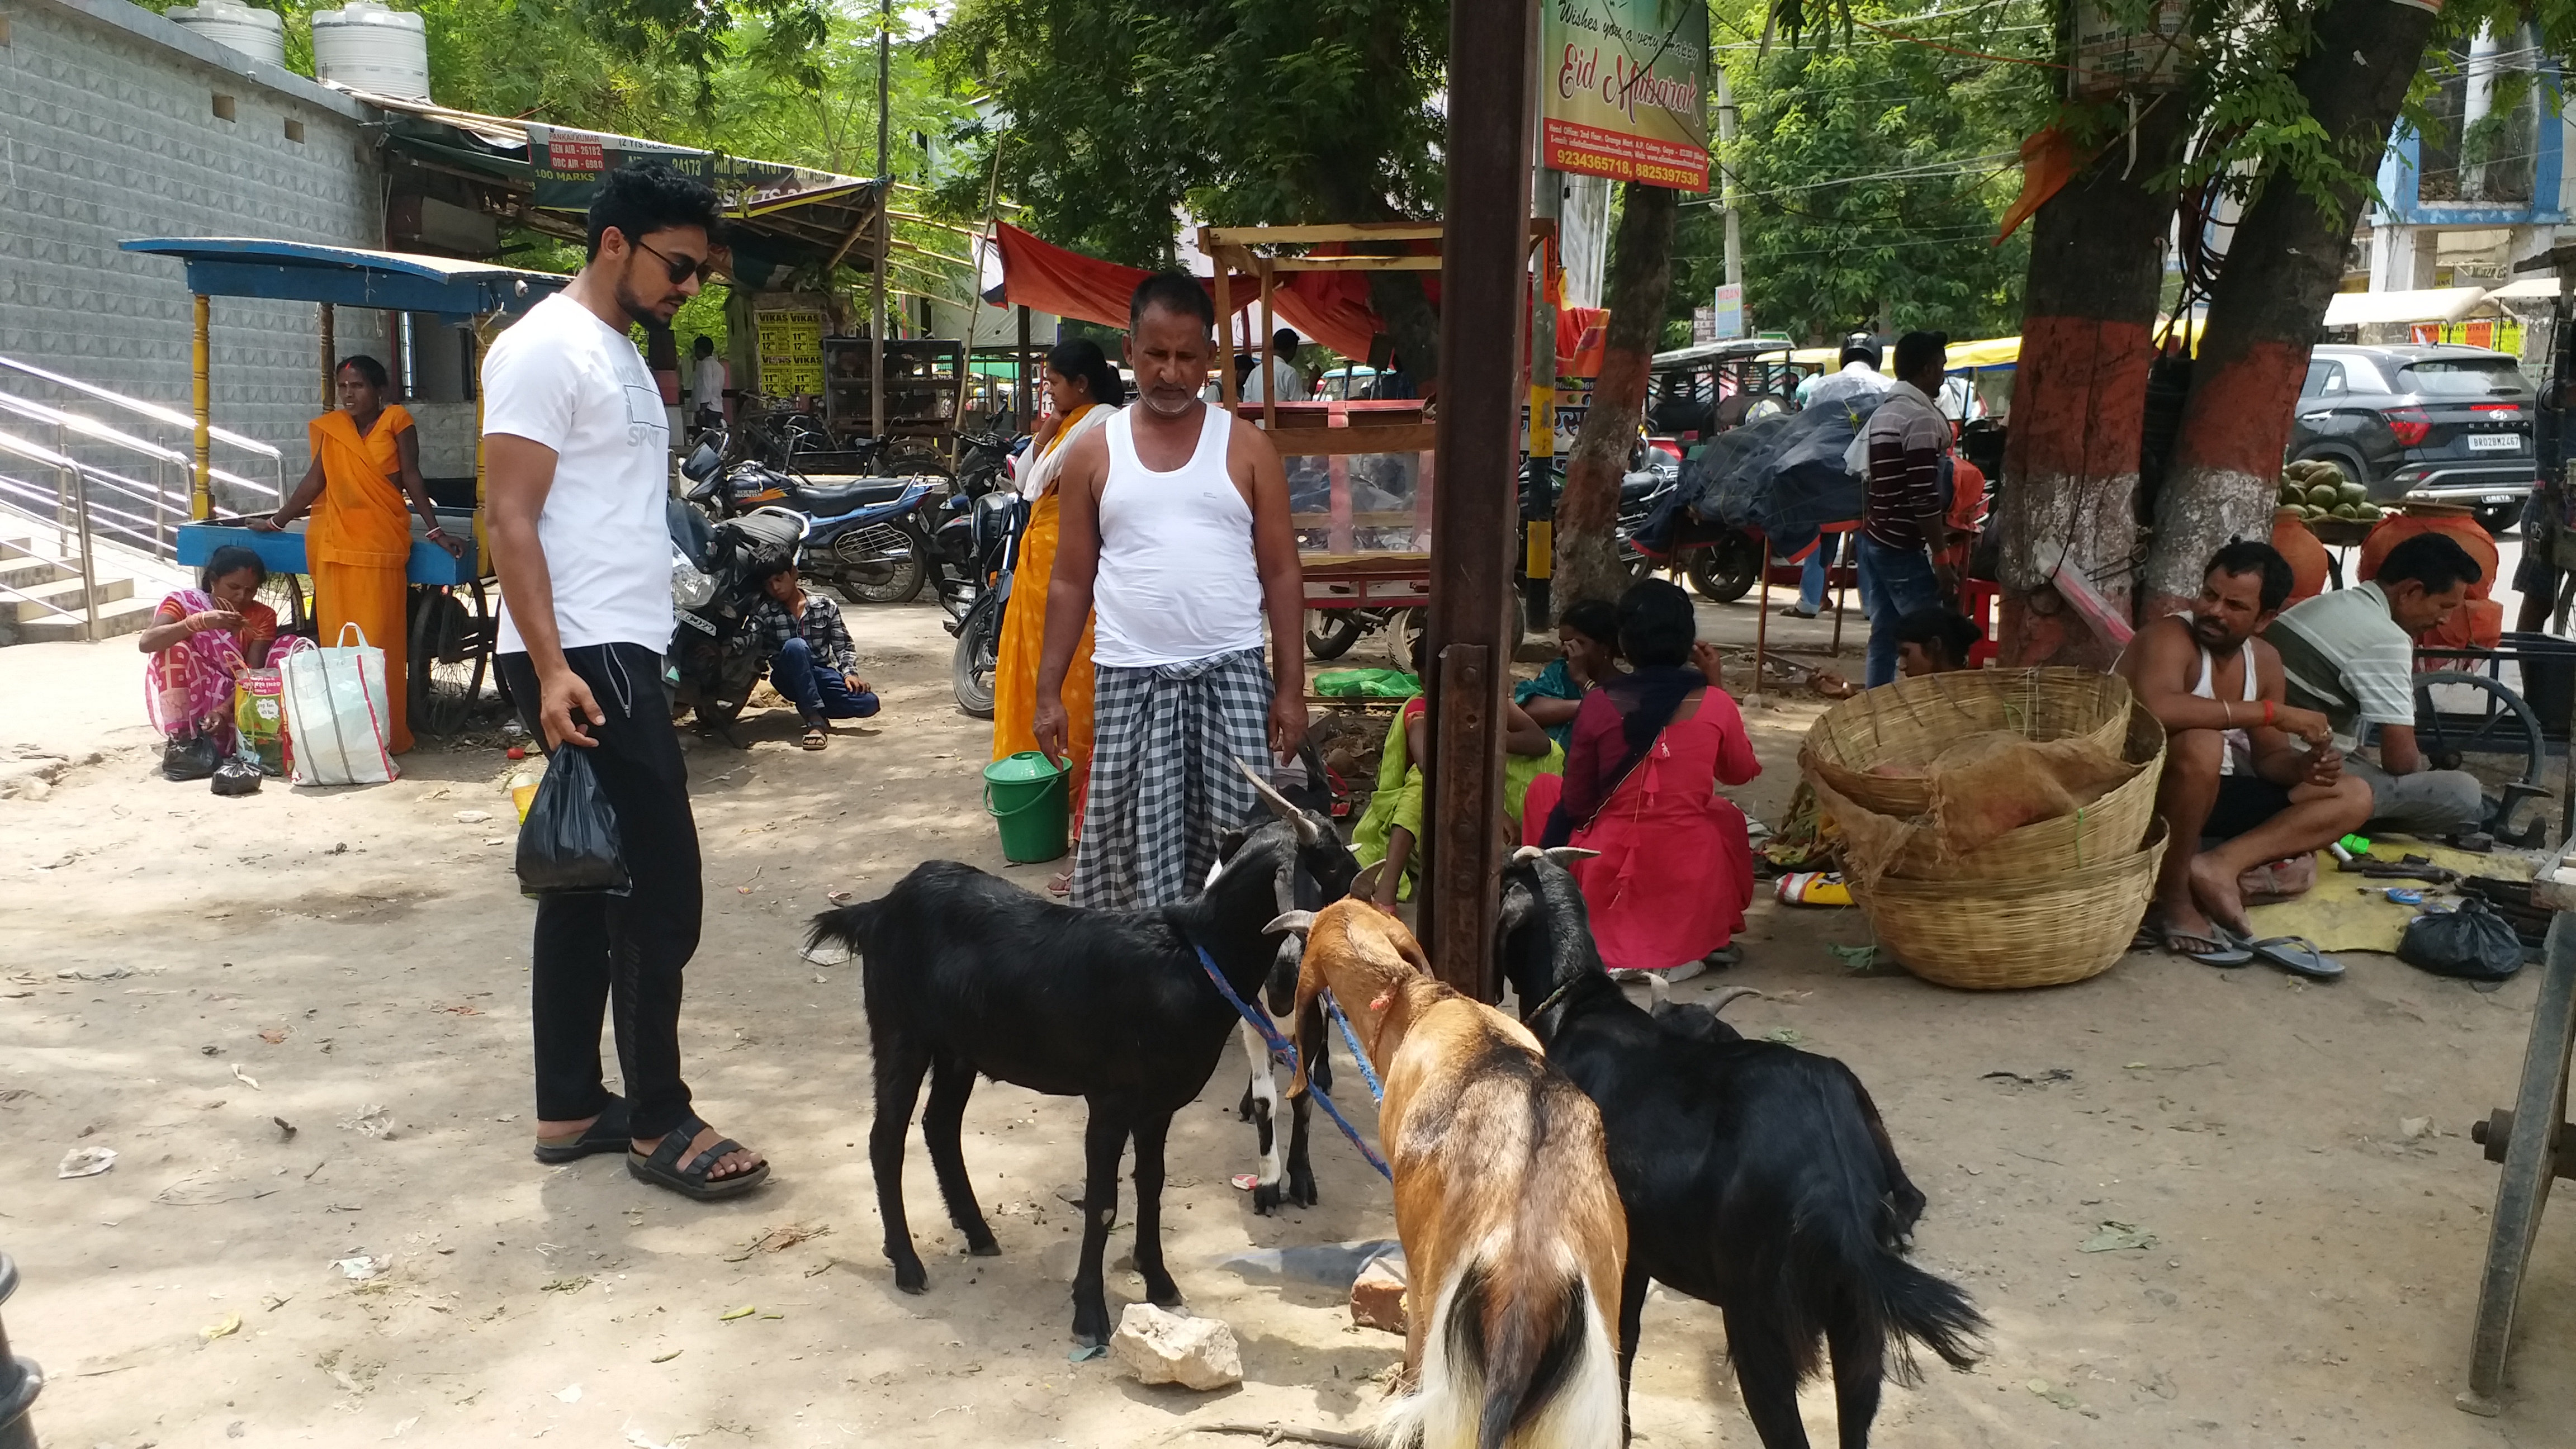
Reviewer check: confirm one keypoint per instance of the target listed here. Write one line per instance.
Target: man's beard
(1173, 411)
(627, 303)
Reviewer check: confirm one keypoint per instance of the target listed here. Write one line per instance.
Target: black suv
(2451, 424)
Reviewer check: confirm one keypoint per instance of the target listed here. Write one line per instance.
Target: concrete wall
(109, 131)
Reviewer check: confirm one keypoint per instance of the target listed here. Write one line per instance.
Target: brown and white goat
(1513, 1235)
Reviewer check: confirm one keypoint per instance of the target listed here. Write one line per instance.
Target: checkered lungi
(1165, 741)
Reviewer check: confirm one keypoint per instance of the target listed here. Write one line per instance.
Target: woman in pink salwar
(1674, 872)
(199, 643)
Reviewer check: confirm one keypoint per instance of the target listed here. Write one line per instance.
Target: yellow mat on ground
(2353, 912)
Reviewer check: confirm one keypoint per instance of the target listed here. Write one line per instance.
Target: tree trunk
(1587, 513)
(2079, 394)
(2271, 294)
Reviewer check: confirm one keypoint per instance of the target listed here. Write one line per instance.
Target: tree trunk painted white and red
(1587, 513)
(2283, 265)
(2079, 395)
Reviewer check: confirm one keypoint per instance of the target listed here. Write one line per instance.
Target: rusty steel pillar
(1474, 507)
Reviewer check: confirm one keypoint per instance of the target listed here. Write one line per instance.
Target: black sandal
(664, 1168)
(606, 1133)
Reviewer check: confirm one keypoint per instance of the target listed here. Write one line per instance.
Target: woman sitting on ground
(1393, 824)
(200, 642)
(1589, 634)
(1675, 870)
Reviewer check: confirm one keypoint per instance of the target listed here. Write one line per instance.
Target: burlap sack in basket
(1906, 724)
(1980, 789)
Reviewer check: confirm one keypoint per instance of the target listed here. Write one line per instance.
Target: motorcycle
(959, 568)
(716, 656)
(865, 539)
(1656, 530)
(995, 522)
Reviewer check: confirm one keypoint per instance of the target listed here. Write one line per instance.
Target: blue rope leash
(1284, 1052)
(1351, 1039)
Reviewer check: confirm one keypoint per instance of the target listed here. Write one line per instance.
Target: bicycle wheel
(451, 646)
(2502, 724)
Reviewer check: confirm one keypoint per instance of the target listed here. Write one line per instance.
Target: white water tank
(258, 34)
(369, 47)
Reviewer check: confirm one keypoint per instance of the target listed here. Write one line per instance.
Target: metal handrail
(79, 478)
(169, 417)
(154, 411)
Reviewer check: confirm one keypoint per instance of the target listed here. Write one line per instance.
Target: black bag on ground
(239, 775)
(2473, 943)
(193, 758)
(568, 843)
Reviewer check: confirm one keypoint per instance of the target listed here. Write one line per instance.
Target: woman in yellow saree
(1082, 391)
(366, 467)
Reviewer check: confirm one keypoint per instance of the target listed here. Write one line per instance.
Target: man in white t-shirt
(576, 464)
(706, 385)
(1277, 379)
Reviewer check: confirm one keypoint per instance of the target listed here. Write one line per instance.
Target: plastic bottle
(523, 785)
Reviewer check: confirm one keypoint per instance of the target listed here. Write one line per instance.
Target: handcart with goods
(451, 614)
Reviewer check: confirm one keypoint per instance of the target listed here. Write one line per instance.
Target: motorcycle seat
(831, 500)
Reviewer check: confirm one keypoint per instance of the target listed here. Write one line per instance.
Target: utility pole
(1726, 180)
(885, 228)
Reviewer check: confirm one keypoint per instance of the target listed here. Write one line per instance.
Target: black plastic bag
(193, 758)
(2473, 943)
(238, 775)
(568, 843)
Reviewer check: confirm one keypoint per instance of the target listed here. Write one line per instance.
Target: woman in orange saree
(366, 468)
(1082, 391)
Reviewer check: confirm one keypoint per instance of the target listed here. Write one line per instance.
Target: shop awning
(2432, 304)
(289, 271)
(1047, 278)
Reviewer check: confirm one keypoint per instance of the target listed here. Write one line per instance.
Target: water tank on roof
(368, 47)
(258, 34)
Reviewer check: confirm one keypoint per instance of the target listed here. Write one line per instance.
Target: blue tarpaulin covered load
(1784, 475)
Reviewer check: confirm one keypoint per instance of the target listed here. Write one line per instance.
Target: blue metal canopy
(285, 271)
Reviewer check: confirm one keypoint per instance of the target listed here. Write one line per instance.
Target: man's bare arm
(2398, 753)
(518, 474)
(1077, 564)
(2161, 665)
(1283, 588)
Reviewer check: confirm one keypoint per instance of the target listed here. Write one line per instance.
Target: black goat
(967, 973)
(1756, 1177)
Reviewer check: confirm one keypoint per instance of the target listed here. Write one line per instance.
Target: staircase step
(24, 573)
(63, 593)
(123, 616)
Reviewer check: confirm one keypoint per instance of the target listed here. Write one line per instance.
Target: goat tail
(1933, 1311)
(846, 927)
(1505, 1369)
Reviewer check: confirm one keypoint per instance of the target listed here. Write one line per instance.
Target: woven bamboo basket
(2108, 828)
(1980, 935)
(1912, 720)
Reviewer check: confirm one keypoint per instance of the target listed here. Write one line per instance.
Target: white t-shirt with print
(563, 378)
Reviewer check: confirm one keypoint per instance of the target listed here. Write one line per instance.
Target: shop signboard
(791, 351)
(569, 164)
(1730, 312)
(2114, 52)
(1624, 90)
(1703, 326)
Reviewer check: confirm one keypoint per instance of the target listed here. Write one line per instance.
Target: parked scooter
(716, 656)
(867, 538)
(960, 568)
(995, 522)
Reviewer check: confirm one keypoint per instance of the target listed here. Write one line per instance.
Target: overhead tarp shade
(2432, 304)
(287, 271)
(1047, 278)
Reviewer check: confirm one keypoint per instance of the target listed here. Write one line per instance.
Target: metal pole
(201, 498)
(1484, 260)
(885, 225)
(89, 574)
(1726, 181)
(330, 360)
(1269, 353)
(1020, 380)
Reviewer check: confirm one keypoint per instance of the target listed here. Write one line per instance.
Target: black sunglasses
(681, 267)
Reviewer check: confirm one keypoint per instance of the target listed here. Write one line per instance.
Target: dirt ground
(299, 1020)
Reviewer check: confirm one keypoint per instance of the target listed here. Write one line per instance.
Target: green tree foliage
(1870, 176)
(1111, 115)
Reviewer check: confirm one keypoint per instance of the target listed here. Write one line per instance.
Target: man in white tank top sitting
(2242, 768)
(1175, 528)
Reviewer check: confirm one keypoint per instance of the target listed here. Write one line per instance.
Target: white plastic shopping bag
(336, 719)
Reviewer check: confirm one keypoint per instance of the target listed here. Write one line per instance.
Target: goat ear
(1228, 841)
(1566, 855)
(1299, 922)
(1308, 832)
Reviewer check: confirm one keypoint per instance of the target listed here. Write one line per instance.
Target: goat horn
(1297, 921)
(1364, 885)
(1730, 995)
(1308, 832)
(1567, 855)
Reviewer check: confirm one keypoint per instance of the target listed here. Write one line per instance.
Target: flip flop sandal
(816, 737)
(606, 1133)
(2215, 949)
(2295, 954)
(664, 1168)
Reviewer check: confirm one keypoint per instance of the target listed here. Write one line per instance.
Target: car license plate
(2495, 443)
(2496, 498)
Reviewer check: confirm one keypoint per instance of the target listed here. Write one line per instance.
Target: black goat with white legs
(1756, 1176)
(1288, 1177)
(966, 973)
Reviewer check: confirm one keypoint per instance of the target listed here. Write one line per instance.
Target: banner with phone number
(1624, 90)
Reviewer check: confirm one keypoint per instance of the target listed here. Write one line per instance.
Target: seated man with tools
(2235, 777)
(2350, 654)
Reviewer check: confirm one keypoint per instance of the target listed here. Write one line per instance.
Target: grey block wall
(109, 131)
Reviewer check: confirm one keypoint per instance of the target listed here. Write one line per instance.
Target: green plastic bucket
(1026, 795)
